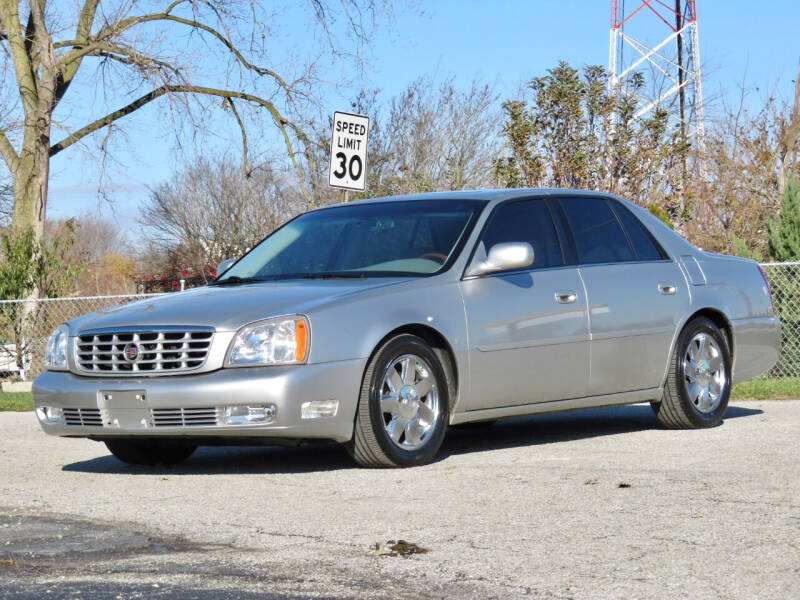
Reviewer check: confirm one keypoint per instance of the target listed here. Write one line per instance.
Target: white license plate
(127, 409)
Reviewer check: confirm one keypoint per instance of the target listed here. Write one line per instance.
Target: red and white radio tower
(674, 61)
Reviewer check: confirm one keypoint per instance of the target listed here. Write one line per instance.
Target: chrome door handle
(666, 289)
(566, 297)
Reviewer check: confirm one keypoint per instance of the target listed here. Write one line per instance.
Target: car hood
(226, 308)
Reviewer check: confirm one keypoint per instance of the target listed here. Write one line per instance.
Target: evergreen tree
(783, 230)
(569, 131)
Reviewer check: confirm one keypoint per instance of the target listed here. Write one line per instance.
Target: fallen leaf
(397, 548)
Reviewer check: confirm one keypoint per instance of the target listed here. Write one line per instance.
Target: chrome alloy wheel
(704, 373)
(409, 401)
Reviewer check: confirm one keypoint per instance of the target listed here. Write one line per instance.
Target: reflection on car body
(381, 322)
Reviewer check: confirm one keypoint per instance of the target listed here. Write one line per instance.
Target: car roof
(674, 243)
(492, 195)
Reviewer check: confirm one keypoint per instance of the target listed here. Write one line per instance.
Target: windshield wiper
(236, 280)
(336, 275)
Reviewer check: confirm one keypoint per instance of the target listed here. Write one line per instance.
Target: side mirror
(225, 265)
(504, 257)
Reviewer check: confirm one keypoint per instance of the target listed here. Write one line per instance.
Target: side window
(643, 243)
(525, 221)
(598, 235)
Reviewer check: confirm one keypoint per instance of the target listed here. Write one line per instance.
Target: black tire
(149, 451)
(371, 445)
(676, 410)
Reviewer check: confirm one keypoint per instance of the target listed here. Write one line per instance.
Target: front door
(528, 329)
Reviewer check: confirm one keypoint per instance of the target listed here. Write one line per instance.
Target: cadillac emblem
(131, 352)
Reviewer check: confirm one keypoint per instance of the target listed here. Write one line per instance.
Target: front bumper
(287, 388)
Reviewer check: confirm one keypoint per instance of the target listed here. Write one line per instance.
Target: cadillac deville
(380, 323)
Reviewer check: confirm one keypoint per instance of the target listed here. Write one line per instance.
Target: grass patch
(16, 401)
(764, 389)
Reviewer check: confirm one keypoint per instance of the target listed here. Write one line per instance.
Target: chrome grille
(86, 417)
(157, 351)
(184, 417)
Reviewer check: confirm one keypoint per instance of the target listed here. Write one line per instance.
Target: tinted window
(598, 235)
(643, 243)
(525, 221)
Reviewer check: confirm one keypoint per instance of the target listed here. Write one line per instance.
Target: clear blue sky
(503, 43)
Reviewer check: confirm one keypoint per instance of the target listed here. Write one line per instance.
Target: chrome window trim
(576, 266)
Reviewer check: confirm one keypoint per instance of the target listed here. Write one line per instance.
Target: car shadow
(559, 427)
(328, 456)
(233, 460)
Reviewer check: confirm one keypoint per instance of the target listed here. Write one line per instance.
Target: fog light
(319, 408)
(237, 415)
(53, 415)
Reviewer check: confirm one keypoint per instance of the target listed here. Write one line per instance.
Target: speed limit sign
(348, 168)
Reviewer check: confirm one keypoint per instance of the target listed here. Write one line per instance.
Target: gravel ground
(598, 503)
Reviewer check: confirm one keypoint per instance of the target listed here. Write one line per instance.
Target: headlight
(279, 341)
(55, 357)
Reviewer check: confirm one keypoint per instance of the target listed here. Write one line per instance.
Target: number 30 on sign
(348, 168)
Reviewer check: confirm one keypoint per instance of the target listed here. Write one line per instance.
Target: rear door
(528, 329)
(636, 294)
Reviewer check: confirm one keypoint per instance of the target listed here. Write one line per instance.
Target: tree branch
(88, 46)
(30, 33)
(7, 152)
(129, 56)
(67, 70)
(3, 35)
(26, 79)
(283, 124)
(246, 168)
(232, 48)
(81, 46)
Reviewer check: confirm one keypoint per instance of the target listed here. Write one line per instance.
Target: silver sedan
(381, 322)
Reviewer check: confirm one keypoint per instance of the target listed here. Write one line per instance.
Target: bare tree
(186, 50)
(213, 211)
(441, 138)
(5, 204)
(789, 138)
(107, 254)
(746, 158)
(432, 137)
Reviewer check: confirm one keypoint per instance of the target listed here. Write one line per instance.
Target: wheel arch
(720, 319)
(716, 316)
(441, 347)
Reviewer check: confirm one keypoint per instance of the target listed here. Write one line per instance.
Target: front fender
(353, 328)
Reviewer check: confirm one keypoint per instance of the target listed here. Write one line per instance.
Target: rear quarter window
(644, 245)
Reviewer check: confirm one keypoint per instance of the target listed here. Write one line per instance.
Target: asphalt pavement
(592, 504)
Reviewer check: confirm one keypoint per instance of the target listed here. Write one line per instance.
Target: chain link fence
(25, 325)
(784, 280)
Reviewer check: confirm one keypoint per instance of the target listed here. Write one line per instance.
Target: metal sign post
(348, 162)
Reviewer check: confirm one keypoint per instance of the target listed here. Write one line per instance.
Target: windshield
(410, 238)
